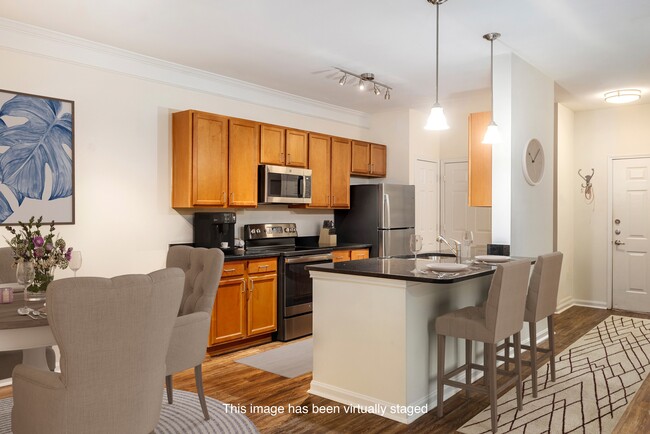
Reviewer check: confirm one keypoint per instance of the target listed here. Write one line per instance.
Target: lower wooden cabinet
(246, 304)
(350, 255)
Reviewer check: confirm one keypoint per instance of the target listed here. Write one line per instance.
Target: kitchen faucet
(455, 250)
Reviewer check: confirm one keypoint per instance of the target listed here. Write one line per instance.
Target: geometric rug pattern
(183, 416)
(596, 377)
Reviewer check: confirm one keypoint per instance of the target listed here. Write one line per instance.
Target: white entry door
(457, 216)
(631, 234)
(426, 203)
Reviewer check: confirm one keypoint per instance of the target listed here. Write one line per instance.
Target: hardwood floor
(238, 384)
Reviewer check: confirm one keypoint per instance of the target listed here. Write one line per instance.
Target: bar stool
(541, 303)
(500, 316)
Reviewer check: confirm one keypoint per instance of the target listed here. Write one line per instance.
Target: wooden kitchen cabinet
(368, 159)
(199, 159)
(296, 148)
(242, 171)
(282, 146)
(350, 255)
(320, 163)
(245, 308)
(479, 161)
(340, 179)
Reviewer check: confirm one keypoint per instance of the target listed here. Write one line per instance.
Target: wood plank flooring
(235, 383)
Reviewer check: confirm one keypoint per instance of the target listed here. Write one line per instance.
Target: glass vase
(36, 291)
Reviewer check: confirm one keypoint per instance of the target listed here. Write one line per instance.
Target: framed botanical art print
(36, 158)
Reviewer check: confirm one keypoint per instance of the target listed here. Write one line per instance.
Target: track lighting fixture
(366, 82)
(437, 120)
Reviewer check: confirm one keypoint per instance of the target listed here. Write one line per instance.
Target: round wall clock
(533, 162)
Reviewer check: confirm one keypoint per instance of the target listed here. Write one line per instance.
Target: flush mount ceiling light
(492, 135)
(622, 96)
(366, 82)
(437, 120)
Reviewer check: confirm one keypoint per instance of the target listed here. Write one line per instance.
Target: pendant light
(437, 120)
(492, 135)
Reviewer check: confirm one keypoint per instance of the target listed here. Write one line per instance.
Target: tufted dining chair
(203, 269)
(113, 335)
(9, 359)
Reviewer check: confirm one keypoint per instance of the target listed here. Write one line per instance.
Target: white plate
(492, 258)
(446, 266)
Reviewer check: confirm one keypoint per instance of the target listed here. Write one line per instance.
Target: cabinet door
(200, 159)
(340, 255)
(340, 181)
(229, 312)
(479, 192)
(360, 163)
(378, 160)
(242, 176)
(296, 148)
(272, 145)
(262, 304)
(357, 254)
(319, 163)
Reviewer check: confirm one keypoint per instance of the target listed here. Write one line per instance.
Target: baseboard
(564, 304)
(590, 303)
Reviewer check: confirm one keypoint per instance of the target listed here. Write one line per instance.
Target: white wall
(566, 202)
(522, 215)
(599, 135)
(124, 221)
(454, 141)
(392, 129)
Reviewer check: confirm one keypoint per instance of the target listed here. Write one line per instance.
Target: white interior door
(457, 216)
(630, 233)
(426, 203)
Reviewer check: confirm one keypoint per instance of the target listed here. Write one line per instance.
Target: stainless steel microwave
(280, 184)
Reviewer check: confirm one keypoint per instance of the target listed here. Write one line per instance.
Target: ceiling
(586, 46)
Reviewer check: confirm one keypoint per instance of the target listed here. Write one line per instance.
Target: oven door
(297, 283)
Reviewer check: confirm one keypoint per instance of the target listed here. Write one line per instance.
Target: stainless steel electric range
(294, 283)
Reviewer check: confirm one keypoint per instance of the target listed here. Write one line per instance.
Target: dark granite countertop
(403, 269)
(270, 254)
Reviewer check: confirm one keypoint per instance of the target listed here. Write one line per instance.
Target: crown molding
(34, 40)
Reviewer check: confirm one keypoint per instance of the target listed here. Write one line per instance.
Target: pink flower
(49, 247)
(38, 241)
(39, 252)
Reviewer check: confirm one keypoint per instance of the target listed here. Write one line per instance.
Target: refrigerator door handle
(387, 211)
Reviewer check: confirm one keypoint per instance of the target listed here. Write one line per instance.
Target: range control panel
(261, 231)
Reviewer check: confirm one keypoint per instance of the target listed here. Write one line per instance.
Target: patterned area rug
(596, 378)
(290, 360)
(183, 416)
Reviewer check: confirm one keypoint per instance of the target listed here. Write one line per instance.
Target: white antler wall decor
(587, 188)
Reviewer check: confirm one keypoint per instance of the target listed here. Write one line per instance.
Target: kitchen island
(374, 332)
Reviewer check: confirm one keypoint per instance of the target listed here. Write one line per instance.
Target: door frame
(441, 190)
(610, 238)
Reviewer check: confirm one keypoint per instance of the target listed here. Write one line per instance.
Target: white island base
(375, 340)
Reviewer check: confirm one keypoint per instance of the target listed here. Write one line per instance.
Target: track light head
(377, 91)
(343, 79)
(387, 95)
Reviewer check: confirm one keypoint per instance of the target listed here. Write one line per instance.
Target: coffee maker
(211, 229)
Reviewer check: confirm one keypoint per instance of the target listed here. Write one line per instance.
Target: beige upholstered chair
(203, 269)
(541, 303)
(113, 335)
(9, 359)
(502, 315)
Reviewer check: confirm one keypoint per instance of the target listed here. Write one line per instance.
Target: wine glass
(468, 240)
(25, 274)
(415, 244)
(75, 261)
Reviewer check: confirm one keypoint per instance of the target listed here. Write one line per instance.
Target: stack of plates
(446, 266)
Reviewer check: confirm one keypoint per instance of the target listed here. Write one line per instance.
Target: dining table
(31, 334)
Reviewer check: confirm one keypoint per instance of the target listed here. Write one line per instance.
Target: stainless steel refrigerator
(380, 214)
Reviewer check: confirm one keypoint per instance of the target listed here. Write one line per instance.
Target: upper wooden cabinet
(242, 171)
(479, 162)
(272, 139)
(199, 159)
(368, 159)
(283, 147)
(329, 161)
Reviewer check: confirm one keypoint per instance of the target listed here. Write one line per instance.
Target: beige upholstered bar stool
(501, 316)
(541, 303)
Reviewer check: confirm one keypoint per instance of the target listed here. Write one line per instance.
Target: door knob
(617, 232)
(619, 242)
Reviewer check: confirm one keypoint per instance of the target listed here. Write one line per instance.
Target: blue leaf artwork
(36, 167)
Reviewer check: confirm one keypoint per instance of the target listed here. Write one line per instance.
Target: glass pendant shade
(437, 120)
(492, 135)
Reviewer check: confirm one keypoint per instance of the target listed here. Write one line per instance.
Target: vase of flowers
(46, 251)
